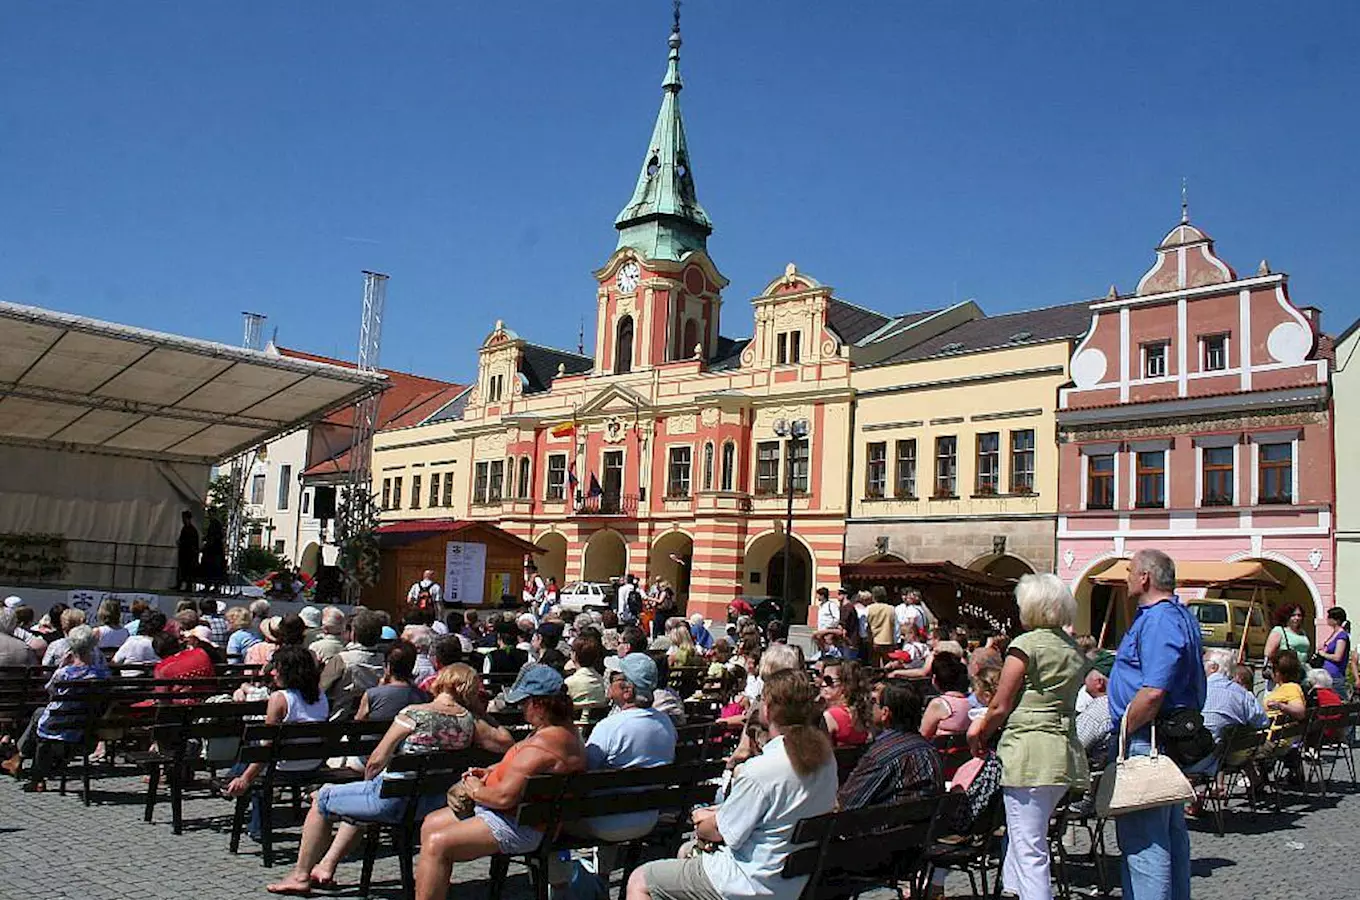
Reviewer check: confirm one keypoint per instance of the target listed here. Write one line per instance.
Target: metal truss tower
(366, 410)
(241, 465)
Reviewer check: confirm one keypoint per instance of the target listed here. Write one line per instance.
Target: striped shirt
(899, 765)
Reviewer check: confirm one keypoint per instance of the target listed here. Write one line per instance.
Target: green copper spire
(664, 220)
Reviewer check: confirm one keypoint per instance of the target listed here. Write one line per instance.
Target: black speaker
(323, 502)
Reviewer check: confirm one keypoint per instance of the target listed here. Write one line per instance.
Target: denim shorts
(511, 837)
(363, 802)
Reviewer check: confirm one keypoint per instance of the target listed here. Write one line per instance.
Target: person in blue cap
(554, 747)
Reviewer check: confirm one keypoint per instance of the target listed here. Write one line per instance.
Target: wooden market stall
(476, 563)
(954, 595)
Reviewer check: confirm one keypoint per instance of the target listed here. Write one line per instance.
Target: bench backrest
(550, 800)
(271, 744)
(861, 844)
(419, 774)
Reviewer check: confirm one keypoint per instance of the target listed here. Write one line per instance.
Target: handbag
(1136, 783)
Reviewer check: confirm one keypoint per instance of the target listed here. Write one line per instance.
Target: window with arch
(690, 339)
(729, 465)
(708, 466)
(623, 346)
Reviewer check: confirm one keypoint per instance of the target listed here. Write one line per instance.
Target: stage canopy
(72, 383)
(954, 594)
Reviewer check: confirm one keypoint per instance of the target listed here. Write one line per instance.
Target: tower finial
(1185, 200)
(672, 82)
(676, 27)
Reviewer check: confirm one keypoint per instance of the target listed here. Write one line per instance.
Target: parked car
(582, 595)
(1221, 621)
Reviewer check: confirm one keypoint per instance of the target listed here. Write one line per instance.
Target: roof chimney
(1313, 315)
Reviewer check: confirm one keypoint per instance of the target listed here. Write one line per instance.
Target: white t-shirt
(625, 592)
(534, 589)
(828, 614)
(136, 649)
(909, 612)
(764, 804)
(431, 586)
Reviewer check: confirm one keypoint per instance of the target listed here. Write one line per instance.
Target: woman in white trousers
(1041, 759)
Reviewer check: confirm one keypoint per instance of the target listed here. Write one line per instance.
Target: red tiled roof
(407, 400)
(408, 530)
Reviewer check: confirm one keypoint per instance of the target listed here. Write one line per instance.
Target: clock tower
(659, 292)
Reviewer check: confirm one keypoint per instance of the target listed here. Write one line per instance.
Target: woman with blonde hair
(447, 722)
(683, 651)
(1035, 701)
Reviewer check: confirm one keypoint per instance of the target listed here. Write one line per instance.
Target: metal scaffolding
(241, 465)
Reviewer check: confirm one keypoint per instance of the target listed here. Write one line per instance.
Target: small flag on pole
(595, 489)
(566, 429)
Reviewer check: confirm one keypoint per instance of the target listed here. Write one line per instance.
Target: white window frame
(1204, 353)
(1087, 450)
(1216, 440)
(689, 492)
(1290, 437)
(1143, 360)
(1136, 447)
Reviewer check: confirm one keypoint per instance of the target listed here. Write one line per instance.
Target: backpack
(635, 602)
(424, 597)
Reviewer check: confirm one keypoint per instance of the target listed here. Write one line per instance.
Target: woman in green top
(1036, 701)
(1288, 634)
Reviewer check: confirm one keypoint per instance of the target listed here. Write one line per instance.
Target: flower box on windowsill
(944, 497)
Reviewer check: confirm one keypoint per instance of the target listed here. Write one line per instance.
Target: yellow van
(1221, 621)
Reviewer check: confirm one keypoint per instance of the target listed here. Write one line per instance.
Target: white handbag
(1137, 783)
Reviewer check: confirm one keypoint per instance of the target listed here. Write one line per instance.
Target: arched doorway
(552, 562)
(1002, 565)
(1094, 602)
(606, 557)
(764, 567)
(671, 556)
(1296, 590)
(623, 346)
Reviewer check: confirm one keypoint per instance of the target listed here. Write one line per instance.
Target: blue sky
(172, 164)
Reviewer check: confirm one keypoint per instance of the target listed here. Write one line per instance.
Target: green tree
(260, 561)
(355, 524)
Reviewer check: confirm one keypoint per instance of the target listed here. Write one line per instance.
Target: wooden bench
(552, 801)
(175, 730)
(856, 850)
(411, 776)
(270, 745)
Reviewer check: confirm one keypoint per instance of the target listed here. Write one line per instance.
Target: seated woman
(948, 713)
(793, 779)
(1286, 703)
(682, 651)
(298, 698)
(54, 733)
(396, 690)
(847, 703)
(554, 747)
(448, 722)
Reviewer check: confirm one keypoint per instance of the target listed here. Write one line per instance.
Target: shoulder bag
(1136, 783)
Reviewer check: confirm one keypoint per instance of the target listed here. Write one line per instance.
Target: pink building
(1198, 423)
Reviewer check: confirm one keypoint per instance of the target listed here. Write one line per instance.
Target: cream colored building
(954, 454)
(1346, 446)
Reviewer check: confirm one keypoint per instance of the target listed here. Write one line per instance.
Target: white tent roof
(76, 383)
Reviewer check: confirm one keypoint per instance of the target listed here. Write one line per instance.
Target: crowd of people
(1040, 712)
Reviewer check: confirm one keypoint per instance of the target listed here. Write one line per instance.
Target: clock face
(629, 274)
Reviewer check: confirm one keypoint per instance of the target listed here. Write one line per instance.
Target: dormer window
(495, 388)
(951, 347)
(788, 349)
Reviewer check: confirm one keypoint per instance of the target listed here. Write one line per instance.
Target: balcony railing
(608, 505)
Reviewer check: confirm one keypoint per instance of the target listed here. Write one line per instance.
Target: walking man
(1156, 671)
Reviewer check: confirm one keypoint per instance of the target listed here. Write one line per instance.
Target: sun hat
(203, 634)
(535, 681)
(640, 671)
(12, 601)
(269, 628)
(310, 616)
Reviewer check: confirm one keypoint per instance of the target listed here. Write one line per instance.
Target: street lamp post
(794, 431)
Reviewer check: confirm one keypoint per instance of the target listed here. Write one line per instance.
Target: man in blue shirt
(1157, 670)
(632, 735)
(703, 638)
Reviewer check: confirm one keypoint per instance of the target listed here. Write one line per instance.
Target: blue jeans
(1155, 845)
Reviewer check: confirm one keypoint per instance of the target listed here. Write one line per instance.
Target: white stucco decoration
(1289, 342)
(1088, 368)
(1315, 558)
(1069, 557)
